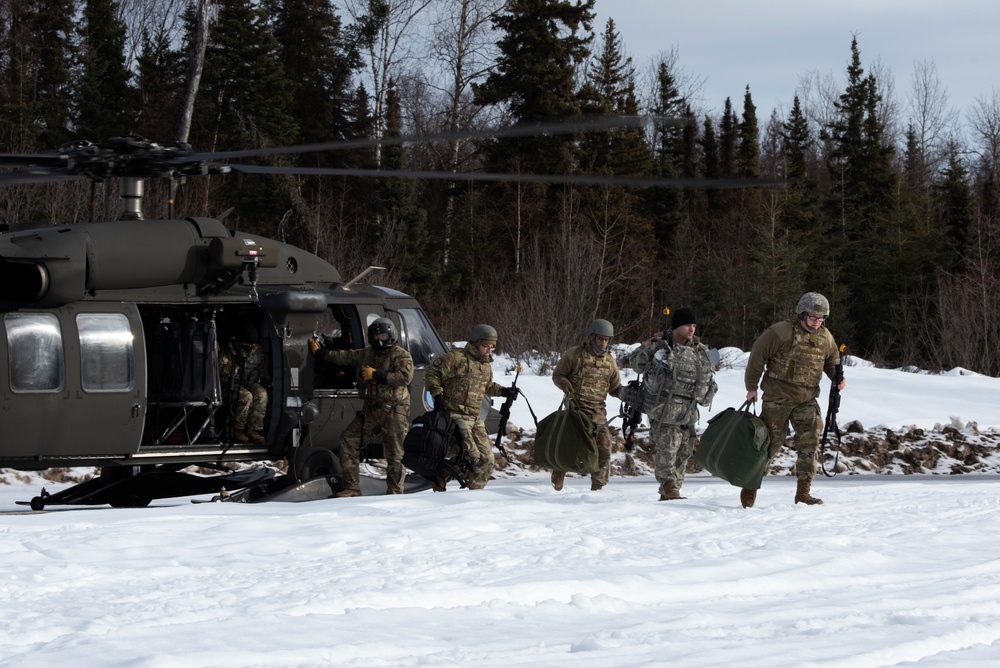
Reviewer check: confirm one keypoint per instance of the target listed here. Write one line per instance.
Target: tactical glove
(381, 377)
(313, 347)
(366, 373)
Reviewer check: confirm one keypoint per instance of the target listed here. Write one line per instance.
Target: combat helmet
(483, 333)
(599, 327)
(382, 326)
(813, 302)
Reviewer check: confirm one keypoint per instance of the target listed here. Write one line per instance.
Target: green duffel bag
(734, 447)
(565, 441)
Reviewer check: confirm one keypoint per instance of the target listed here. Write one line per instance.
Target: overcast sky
(771, 45)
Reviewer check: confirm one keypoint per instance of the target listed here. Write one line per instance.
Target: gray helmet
(483, 333)
(599, 328)
(813, 302)
(382, 326)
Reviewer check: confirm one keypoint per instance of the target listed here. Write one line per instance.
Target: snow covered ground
(890, 571)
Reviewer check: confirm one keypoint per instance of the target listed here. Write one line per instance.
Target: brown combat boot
(255, 436)
(670, 491)
(440, 483)
(748, 497)
(802, 493)
(240, 436)
(558, 478)
(596, 486)
(348, 492)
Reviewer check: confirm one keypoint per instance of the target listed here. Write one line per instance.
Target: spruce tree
(728, 141)
(665, 206)
(244, 101)
(861, 207)
(611, 211)
(748, 148)
(953, 198)
(542, 43)
(318, 59)
(106, 102)
(36, 75)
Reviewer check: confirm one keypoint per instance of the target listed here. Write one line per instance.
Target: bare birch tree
(386, 49)
(198, 46)
(463, 45)
(933, 119)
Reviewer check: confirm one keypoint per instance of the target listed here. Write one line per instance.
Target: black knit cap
(681, 317)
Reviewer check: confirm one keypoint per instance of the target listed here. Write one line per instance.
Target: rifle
(831, 416)
(505, 414)
(630, 413)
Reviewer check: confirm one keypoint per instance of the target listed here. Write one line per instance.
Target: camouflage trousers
(674, 446)
(805, 420)
(477, 444)
(249, 408)
(393, 425)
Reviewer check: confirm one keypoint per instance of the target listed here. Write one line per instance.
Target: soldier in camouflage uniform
(587, 374)
(458, 382)
(793, 355)
(241, 362)
(677, 378)
(386, 370)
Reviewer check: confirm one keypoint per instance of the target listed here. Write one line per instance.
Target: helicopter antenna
(348, 284)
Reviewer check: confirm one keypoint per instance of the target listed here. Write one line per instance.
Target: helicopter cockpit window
(35, 352)
(419, 337)
(107, 358)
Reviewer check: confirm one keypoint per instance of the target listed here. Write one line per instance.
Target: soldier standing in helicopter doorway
(241, 363)
(587, 374)
(458, 382)
(793, 355)
(677, 377)
(386, 370)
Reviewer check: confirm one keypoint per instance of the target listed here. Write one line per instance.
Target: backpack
(425, 447)
(565, 441)
(734, 447)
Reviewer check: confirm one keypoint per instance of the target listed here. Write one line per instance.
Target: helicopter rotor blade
(582, 125)
(24, 178)
(565, 179)
(47, 160)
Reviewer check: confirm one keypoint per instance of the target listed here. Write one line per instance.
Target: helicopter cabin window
(419, 337)
(35, 352)
(339, 329)
(107, 358)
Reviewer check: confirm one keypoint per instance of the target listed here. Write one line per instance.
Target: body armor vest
(803, 364)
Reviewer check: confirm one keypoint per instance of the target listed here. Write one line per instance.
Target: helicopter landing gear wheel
(315, 461)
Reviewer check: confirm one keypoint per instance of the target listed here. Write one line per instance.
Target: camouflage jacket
(589, 378)
(677, 378)
(240, 366)
(792, 361)
(464, 380)
(397, 364)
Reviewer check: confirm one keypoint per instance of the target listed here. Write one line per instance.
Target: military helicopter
(110, 335)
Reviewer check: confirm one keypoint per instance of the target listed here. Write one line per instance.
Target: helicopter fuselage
(110, 335)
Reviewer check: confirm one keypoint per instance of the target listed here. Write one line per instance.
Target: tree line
(885, 203)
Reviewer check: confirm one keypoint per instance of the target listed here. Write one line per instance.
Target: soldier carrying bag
(734, 447)
(566, 441)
